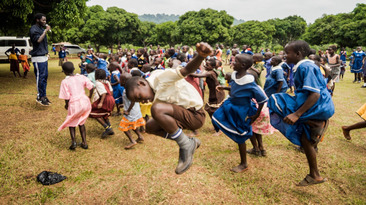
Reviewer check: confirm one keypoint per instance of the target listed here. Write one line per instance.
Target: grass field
(108, 174)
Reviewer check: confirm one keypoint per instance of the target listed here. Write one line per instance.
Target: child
(132, 117)
(140, 58)
(303, 118)
(275, 82)
(77, 103)
(258, 64)
(343, 70)
(334, 63)
(13, 58)
(356, 67)
(176, 105)
(346, 129)
(102, 63)
(237, 113)
(216, 97)
(220, 71)
(82, 66)
(103, 102)
(157, 64)
(24, 61)
(117, 88)
(61, 55)
(267, 62)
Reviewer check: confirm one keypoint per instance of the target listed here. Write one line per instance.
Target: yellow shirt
(13, 56)
(170, 86)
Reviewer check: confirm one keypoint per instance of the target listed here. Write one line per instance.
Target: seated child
(303, 118)
(77, 104)
(236, 114)
(103, 102)
(176, 105)
(117, 88)
(132, 117)
(275, 82)
(24, 61)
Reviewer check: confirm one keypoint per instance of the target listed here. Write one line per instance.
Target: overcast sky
(240, 9)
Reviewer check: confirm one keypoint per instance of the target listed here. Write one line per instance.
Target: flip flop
(237, 170)
(308, 180)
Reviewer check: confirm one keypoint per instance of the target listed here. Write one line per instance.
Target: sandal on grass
(238, 170)
(308, 180)
(254, 152)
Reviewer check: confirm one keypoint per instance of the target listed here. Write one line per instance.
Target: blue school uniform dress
(308, 78)
(117, 89)
(343, 56)
(272, 81)
(268, 66)
(232, 117)
(102, 64)
(357, 64)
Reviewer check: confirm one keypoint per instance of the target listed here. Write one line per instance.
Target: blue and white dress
(308, 78)
(232, 117)
(357, 64)
(272, 81)
(117, 89)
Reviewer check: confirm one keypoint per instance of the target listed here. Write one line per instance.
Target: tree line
(73, 21)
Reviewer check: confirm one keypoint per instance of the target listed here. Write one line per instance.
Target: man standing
(38, 36)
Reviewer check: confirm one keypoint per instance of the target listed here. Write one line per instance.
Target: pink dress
(73, 89)
(262, 124)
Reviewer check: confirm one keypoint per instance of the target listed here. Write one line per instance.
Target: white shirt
(170, 86)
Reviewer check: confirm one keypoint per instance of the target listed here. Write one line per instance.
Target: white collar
(68, 76)
(277, 67)
(243, 80)
(300, 62)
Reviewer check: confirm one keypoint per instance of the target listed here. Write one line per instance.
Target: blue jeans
(41, 73)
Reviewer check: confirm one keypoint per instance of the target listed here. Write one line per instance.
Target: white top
(100, 89)
(170, 86)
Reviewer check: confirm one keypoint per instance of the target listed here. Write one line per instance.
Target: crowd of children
(162, 93)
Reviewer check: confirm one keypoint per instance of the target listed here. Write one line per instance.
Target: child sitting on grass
(77, 103)
(132, 117)
(103, 102)
(176, 105)
(237, 113)
(303, 118)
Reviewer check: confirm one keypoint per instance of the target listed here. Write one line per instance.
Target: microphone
(50, 29)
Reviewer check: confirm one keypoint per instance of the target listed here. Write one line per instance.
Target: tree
(288, 29)
(207, 25)
(253, 33)
(147, 34)
(166, 33)
(17, 16)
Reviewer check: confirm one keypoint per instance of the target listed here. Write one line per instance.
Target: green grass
(108, 174)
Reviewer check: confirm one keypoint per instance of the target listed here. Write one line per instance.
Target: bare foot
(140, 140)
(240, 168)
(132, 144)
(346, 133)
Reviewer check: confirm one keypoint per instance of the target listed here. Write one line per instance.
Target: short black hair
(133, 62)
(136, 73)
(68, 67)
(300, 46)
(171, 52)
(38, 16)
(212, 62)
(219, 62)
(141, 50)
(277, 59)
(131, 84)
(90, 66)
(100, 74)
(182, 57)
(312, 51)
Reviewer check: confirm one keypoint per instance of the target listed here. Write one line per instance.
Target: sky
(260, 10)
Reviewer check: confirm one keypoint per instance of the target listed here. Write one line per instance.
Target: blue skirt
(232, 120)
(282, 104)
(117, 94)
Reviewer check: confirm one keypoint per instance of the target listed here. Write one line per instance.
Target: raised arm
(203, 50)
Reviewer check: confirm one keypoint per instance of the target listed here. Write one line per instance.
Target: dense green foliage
(73, 21)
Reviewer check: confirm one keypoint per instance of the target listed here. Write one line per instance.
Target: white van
(20, 42)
